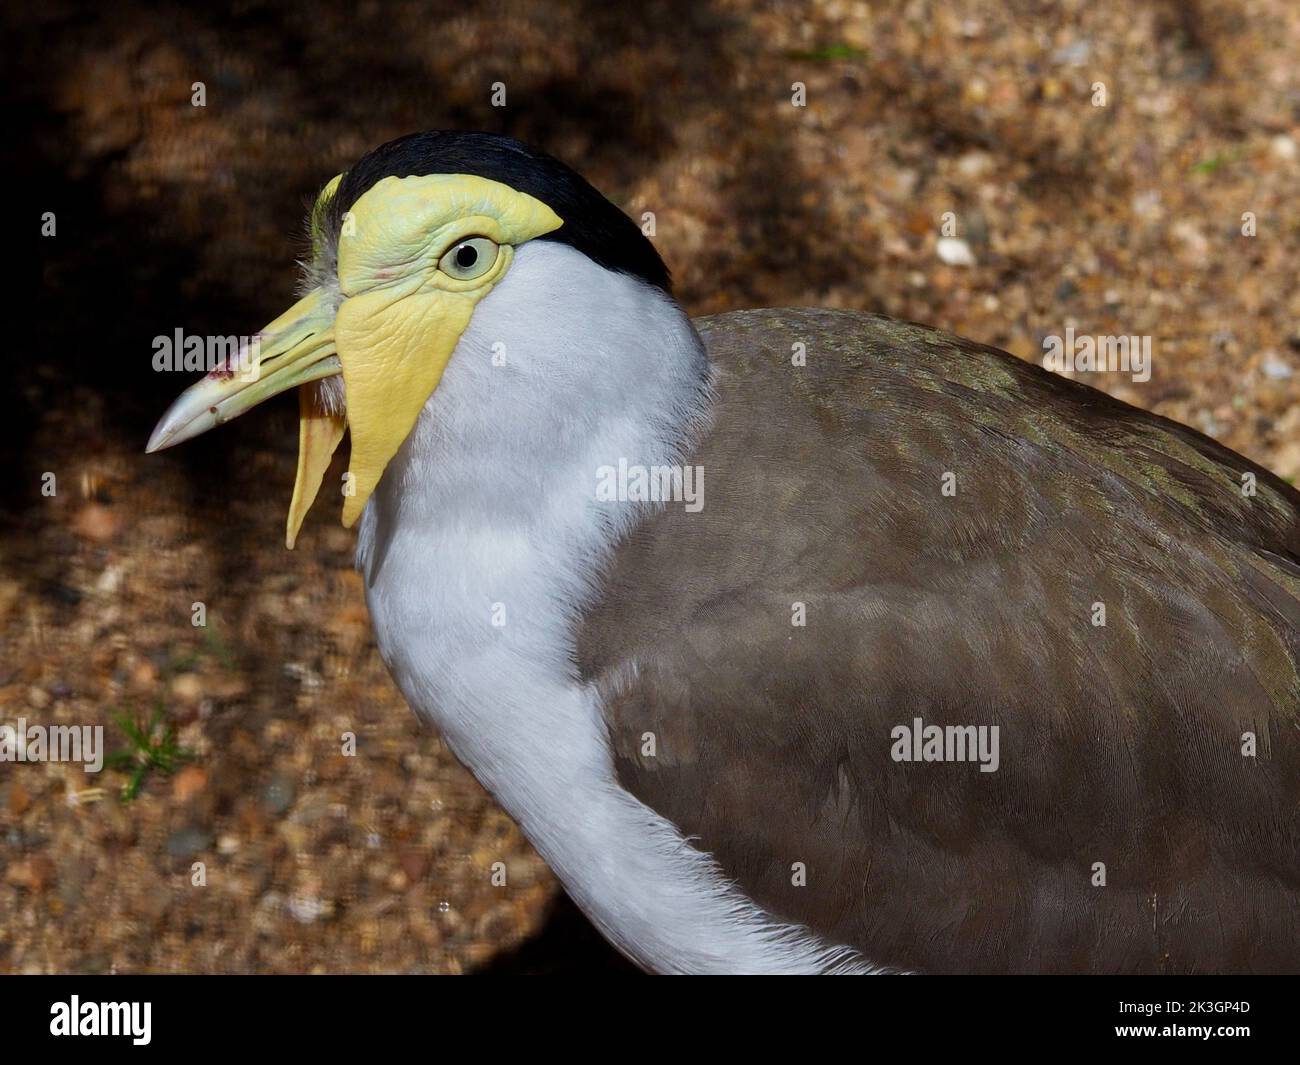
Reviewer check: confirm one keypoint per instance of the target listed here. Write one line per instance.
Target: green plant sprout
(151, 748)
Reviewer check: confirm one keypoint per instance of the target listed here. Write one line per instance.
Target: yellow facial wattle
(388, 321)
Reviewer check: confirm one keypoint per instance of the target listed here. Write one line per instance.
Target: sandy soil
(1123, 219)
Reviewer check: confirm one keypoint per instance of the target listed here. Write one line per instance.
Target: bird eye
(469, 258)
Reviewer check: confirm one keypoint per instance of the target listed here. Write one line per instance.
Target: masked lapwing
(794, 640)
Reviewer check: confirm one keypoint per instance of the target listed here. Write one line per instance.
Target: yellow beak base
(319, 434)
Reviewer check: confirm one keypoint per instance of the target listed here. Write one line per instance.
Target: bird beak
(296, 349)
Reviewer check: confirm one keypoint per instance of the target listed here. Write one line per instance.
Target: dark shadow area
(567, 944)
(172, 216)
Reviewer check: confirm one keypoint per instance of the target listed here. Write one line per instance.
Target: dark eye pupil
(466, 256)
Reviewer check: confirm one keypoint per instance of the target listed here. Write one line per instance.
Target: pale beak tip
(158, 438)
(188, 417)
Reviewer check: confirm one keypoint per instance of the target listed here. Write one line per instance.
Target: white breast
(482, 545)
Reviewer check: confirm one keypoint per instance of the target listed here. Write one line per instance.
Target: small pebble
(1275, 368)
(95, 522)
(19, 800)
(187, 688)
(188, 783)
(1074, 54)
(955, 252)
(278, 794)
(305, 908)
(187, 842)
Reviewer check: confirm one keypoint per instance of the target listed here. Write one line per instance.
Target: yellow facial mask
(404, 297)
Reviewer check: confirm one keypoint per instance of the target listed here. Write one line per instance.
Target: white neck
(489, 510)
(483, 544)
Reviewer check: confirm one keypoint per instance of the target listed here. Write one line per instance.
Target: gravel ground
(1118, 219)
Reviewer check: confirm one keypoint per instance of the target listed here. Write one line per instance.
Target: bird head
(404, 247)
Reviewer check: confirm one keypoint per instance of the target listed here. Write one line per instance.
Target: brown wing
(1119, 744)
